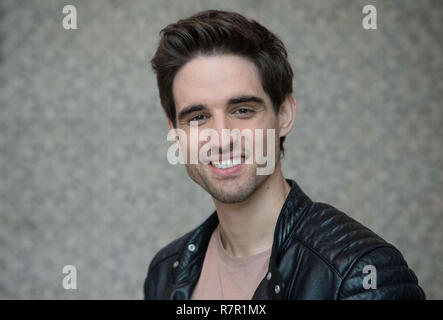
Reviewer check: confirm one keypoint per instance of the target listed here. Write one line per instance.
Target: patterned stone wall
(84, 178)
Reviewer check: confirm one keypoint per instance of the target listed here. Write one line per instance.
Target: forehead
(213, 80)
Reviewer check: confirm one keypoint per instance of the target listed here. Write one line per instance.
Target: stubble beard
(227, 190)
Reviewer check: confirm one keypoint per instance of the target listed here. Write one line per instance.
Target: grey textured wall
(84, 178)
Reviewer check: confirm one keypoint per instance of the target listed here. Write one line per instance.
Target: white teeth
(226, 164)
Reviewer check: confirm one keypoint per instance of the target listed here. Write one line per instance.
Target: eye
(198, 118)
(243, 112)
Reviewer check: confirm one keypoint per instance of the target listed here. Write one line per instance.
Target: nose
(222, 125)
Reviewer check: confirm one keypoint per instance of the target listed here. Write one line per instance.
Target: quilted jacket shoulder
(351, 253)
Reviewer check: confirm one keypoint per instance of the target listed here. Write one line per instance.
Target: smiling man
(266, 239)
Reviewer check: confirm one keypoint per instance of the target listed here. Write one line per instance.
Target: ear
(286, 115)
(170, 125)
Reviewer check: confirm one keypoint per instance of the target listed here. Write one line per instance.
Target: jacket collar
(290, 216)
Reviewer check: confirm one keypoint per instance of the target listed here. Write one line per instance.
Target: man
(266, 239)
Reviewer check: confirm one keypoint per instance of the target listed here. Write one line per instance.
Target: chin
(230, 197)
(227, 190)
(232, 191)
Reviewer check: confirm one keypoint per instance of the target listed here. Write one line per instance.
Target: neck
(247, 228)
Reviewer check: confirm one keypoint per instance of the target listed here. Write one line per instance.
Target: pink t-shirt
(225, 277)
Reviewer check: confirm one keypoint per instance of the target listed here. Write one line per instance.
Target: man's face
(224, 92)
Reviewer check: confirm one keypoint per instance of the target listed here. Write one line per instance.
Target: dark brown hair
(221, 32)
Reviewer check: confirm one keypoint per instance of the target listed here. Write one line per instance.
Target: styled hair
(214, 32)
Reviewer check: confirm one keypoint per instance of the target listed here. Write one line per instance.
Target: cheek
(189, 143)
(198, 151)
(269, 119)
(269, 124)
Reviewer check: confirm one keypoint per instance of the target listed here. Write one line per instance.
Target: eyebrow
(190, 109)
(244, 99)
(232, 101)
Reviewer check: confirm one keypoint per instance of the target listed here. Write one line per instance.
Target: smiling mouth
(227, 164)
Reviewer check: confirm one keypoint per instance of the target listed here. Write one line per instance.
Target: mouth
(226, 164)
(227, 167)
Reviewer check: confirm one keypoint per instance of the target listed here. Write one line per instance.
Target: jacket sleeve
(157, 278)
(148, 287)
(150, 284)
(381, 274)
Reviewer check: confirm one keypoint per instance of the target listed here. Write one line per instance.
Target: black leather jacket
(318, 253)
